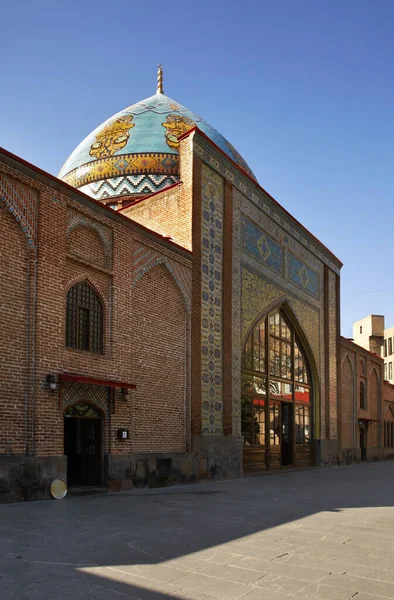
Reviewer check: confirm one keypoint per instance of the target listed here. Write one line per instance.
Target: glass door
(286, 447)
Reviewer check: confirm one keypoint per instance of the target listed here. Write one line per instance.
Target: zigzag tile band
(128, 185)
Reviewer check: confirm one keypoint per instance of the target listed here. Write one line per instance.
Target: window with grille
(302, 424)
(363, 395)
(389, 434)
(84, 319)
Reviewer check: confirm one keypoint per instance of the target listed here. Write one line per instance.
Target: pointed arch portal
(277, 397)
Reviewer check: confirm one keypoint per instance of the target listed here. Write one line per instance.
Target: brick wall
(170, 212)
(388, 419)
(360, 367)
(347, 400)
(99, 250)
(159, 344)
(166, 213)
(14, 311)
(85, 243)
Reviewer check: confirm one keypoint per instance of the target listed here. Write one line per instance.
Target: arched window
(84, 319)
(363, 395)
(276, 388)
(363, 367)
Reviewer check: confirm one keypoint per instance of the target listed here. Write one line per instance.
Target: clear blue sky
(303, 88)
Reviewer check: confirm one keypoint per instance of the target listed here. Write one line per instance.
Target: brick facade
(387, 439)
(146, 332)
(362, 391)
(15, 264)
(183, 277)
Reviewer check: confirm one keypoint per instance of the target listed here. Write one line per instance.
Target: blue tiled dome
(136, 150)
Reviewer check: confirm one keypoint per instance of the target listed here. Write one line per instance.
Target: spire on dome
(160, 80)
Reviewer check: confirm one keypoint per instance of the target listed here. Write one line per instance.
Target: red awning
(93, 381)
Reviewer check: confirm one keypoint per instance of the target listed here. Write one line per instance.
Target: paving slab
(322, 534)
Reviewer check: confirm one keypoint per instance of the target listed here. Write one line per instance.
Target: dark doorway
(83, 445)
(286, 449)
(363, 443)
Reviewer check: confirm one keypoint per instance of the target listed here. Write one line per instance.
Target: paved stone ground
(318, 534)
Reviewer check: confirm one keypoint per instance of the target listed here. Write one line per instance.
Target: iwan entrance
(83, 445)
(276, 406)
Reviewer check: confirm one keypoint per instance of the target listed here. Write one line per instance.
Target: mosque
(164, 319)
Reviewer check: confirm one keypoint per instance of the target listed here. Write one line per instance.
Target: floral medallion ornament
(112, 137)
(175, 126)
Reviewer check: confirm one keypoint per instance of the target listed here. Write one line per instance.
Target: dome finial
(160, 80)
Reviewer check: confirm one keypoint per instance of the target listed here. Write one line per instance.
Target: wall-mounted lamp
(53, 382)
(125, 394)
(123, 434)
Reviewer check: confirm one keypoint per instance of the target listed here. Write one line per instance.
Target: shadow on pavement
(149, 545)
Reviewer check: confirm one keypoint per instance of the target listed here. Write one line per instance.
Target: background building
(361, 403)
(371, 334)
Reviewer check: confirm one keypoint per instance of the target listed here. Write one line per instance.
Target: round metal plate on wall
(59, 488)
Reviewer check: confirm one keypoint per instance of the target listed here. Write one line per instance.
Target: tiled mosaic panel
(290, 244)
(257, 295)
(261, 246)
(332, 343)
(127, 164)
(128, 184)
(211, 301)
(260, 295)
(238, 199)
(143, 138)
(264, 203)
(302, 275)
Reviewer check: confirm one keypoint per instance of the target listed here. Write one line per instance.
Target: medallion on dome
(112, 137)
(175, 126)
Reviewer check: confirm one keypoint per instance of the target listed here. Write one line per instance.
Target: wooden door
(90, 456)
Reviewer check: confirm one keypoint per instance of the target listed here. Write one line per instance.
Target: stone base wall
(219, 457)
(353, 455)
(24, 478)
(213, 457)
(328, 452)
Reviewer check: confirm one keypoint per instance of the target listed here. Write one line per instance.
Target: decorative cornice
(124, 164)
